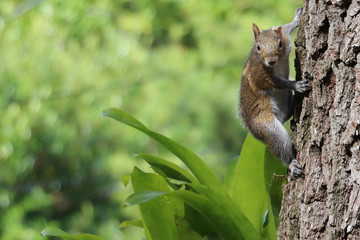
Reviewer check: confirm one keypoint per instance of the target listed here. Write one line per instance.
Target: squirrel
(266, 93)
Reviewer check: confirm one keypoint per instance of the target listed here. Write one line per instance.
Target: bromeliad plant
(179, 204)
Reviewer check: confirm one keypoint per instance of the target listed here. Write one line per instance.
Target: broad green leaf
(223, 224)
(222, 206)
(158, 211)
(273, 183)
(56, 232)
(230, 173)
(141, 197)
(216, 214)
(170, 169)
(199, 168)
(168, 180)
(275, 193)
(198, 222)
(135, 223)
(249, 191)
(186, 232)
(272, 165)
(216, 207)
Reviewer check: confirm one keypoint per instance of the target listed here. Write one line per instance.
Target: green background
(175, 65)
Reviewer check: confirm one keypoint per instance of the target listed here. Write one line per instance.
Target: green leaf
(123, 117)
(223, 223)
(230, 174)
(223, 209)
(199, 168)
(214, 205)
(158, 210)
(141, 197)
(136, 223)
(249, 191)
(176, 182)
(272, 165)
(216, 214)
(56, 232)
(170, 169)
(186, 231)
(275, 193)
(198, 221)
(169, 181)
(273, 183)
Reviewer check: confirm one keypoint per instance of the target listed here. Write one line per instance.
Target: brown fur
(265, 94)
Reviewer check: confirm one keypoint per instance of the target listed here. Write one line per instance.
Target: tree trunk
(325, 203)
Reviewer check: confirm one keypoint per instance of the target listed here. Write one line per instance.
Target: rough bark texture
(325, 203)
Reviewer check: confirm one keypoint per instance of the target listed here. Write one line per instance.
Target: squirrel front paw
(302, 86)
(295, 168)
(299, 12)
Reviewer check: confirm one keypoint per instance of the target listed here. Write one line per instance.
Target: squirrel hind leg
(276, 137)
(280, 142)
(281, 145)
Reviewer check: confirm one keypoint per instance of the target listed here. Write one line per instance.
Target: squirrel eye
(258, 47)
(280, 44)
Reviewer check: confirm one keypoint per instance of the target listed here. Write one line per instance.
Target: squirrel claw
(299, 11)
(295, 169)
(302, 86)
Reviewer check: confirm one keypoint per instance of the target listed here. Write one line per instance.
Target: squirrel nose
(272, 60)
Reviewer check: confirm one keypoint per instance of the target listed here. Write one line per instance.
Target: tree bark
(325, 203)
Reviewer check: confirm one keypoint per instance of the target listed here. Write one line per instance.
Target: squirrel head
(270, 45)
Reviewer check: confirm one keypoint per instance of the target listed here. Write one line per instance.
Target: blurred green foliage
(174, 64)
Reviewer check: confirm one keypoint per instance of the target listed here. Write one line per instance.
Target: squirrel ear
(278, 30)
(256, 31)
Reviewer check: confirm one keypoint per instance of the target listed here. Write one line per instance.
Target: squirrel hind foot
(299, 11)
(295, 169)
